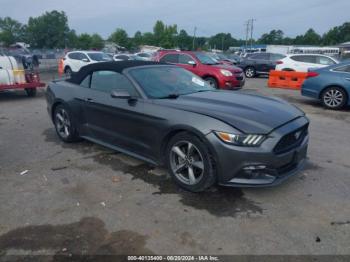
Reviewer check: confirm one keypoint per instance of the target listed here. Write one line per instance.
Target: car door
(344, 73)
(114, 121)
(188, 62)
(261, 62)
(74, 61)
(302, 63)
(170, 58)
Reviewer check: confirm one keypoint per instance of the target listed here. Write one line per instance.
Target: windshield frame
(128, 73)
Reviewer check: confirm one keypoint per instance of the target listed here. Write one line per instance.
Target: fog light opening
(253, 172)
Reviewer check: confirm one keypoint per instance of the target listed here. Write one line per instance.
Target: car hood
(248, 113)
(231, 68)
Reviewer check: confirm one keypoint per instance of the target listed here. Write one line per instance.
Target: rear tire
(64, 125)
(31, 92)
(250, 72)
(190, 163)
(68, 72)
(212, 82)
(334, 98)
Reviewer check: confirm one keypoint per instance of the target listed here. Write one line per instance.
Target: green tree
(338, 34)
(138, 39)
(49, 30)
(148, 38)
(96, 42)
(84, 42)
(158, 32)
(120, 37)
(275, 37)
(11, 31)
(184, 41)
(222, 41)
(311, 38)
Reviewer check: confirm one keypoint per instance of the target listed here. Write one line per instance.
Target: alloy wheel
(249, 72)
(62, 123)
(333, 98)
(212, 83)
(187, 163)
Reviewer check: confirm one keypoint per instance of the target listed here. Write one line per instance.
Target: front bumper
(260, 166)
(233, 82)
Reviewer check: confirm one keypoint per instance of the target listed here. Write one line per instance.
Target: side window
(184, 59)
(276, 57)
(74, 56)
(83, 56)
(123, 57)
(304, 58)
(107, 81)
(170, 58)
(324, 60)
(345, 69)
(86, 82)
(261, 56)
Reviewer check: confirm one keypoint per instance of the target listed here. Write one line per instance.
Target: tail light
(279, 62)
(312, 74)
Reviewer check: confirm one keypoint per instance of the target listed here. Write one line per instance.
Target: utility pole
(247, 28)
(194, 37)
(251, 32)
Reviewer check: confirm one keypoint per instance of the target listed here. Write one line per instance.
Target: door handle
(89, 100)
(347, 79)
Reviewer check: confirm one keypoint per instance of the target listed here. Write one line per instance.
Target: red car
(216, 74)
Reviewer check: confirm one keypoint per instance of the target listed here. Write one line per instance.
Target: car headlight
(226, 72)
(249, 140)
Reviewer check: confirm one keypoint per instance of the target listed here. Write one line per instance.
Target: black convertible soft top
(117, 66)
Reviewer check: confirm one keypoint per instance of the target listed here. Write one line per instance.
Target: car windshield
(221, 56)
(99, 57)
(205, 59)
(167, 82)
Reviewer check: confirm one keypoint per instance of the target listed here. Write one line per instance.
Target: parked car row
(262, 63)
(73, 61)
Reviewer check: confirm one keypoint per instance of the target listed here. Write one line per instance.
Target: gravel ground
(85, 199)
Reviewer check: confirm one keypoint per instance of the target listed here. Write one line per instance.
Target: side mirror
(85, 60)
(120, 94)
(193, 63)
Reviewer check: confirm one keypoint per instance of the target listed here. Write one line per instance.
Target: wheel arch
(334, 85)
(212, 76)
(54, 106)
(186, 129)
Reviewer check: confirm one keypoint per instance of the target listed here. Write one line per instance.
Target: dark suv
(216, 74)
(260, 64)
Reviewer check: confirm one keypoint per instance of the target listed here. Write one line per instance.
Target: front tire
(190, 163)
(64, 125)
(68, 72)
(250, 72)
(334, 98)
(212, 82)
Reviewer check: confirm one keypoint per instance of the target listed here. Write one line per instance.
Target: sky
(293, 17)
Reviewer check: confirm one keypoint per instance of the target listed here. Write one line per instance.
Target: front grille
(291, 140)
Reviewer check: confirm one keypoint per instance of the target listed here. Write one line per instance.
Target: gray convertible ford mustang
(166, 115)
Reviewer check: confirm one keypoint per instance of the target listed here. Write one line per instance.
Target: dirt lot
(82, 198)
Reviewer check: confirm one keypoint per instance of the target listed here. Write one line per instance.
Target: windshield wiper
(170, 96)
